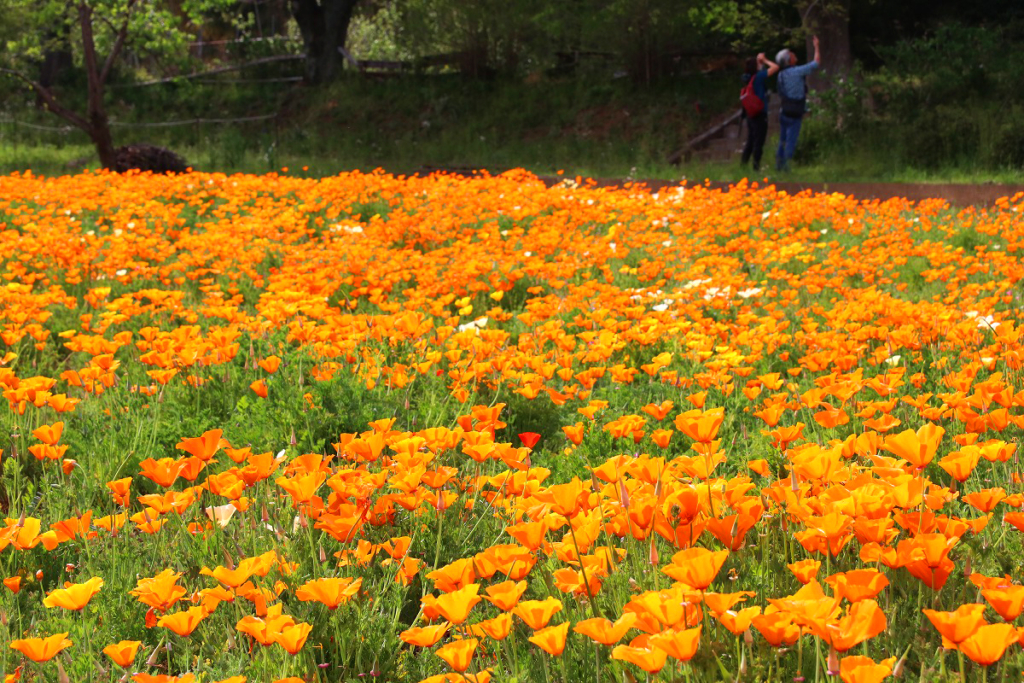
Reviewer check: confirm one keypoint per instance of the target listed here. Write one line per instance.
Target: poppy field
(366, 427)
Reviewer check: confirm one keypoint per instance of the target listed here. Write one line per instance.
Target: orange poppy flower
(424, 636)
(606, 632)
(642, 654)
(302, 487)
(42, 649)
(74, 527)
(505, 595)
(926, 557)
(805, 570)
(569, 580)
(49, 434)
(918, 448)
(677, 606)
(738, 622)
(777, 628)
(659, 411)
(696, 567)
(679, 645)
(13, 583)
(551, 639)
(537, 613)
(232, 578)
(956, 627)
(760, 467)
(454, 576)
(331, 592)
(722, 602)
(160, 592)
(563, 498)
(292, 636)
(455, 606)
(701, 426)
(864, 621)
(161, 472)
(731, 530)
(985, 500)
(987, 645)
(270, 364)
(142, 677)
(1007, 601)
(264, 630)
(960, 464)
(183, 623)
(74, 596)
(121, 490)
(574, 433)
(203, 447)
(861, 669)
(661, 437)
(497, 628)
(259, 387)
(459, 653)
(123, 653)
(857, 584)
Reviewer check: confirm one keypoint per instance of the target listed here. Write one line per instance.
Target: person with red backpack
(754, 99)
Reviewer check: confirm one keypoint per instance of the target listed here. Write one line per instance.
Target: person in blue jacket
(792, 85)
(759, 68)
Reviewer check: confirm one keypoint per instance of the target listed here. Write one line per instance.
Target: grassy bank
(588, 128)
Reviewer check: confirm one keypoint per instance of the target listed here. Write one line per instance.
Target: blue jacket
(792, 80)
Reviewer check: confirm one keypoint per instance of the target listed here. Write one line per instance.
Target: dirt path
(955, 194)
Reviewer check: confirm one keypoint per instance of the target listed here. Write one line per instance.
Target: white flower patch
(693, 284)
(982, 320)
(478, 324)
(347, 229)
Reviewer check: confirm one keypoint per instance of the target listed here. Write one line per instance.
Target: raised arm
(817, 50)
(773, 68)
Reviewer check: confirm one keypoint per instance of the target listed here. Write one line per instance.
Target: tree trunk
(324, 26)
(99, 132)
(830, 21)
(96, 115)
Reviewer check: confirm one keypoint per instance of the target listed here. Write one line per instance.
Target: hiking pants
(789, 131)
(757, 133)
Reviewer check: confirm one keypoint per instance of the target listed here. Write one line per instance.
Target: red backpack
(752, 104)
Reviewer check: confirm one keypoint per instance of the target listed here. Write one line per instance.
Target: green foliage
(947, 99)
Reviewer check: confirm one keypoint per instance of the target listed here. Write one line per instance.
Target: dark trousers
(757, 133)
(789, 133)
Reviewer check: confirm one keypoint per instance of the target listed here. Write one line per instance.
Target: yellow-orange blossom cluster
(803, 313)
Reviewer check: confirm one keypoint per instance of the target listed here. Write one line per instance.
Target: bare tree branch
(50, 100)
(122, 35)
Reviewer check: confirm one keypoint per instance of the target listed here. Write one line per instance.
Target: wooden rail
(679, 155)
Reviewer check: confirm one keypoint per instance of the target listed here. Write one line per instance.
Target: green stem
(586, 583)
